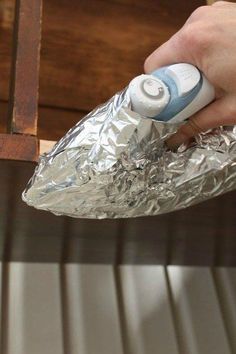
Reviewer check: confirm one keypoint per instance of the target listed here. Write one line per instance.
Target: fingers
(170, 52)
(220, 112)
(189, 43)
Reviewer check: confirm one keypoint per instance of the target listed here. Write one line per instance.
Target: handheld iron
(171, 94)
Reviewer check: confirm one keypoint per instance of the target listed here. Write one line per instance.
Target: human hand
(208, 41)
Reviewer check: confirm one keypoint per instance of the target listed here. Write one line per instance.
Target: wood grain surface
(53, 122)
(23, 99)
(91, 49)
(102, 47)
(18, 147)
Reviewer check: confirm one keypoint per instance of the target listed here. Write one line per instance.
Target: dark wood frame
(21, 142)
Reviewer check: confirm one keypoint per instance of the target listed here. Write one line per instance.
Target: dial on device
(171, 93)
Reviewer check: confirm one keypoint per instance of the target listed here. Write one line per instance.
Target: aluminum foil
(115, 164)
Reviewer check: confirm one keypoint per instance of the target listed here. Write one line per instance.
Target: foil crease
(115, 164)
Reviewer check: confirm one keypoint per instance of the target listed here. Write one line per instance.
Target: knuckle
(199, 12)
(196, 37)
(220, 3)
(188, 36)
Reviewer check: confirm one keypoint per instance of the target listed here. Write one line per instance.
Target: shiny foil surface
(114, 164)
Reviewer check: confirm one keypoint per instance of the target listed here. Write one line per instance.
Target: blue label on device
(176, 103)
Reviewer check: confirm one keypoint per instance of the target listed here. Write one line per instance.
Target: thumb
(220, 112)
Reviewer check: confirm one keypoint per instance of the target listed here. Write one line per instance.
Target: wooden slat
(3, 117)
(224, 226)
(18, 147)
(45, 146)
(25, 67)
(149, 249)
(26, 229)
(53, 123)
(197, 313)
(34, 321)
(6, 30)
(1, 312)
(91, 305)
(226, 286)
(91, 241)
(5, 217)
(194, 231)
(148, 321)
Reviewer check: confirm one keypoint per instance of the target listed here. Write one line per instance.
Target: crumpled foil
(115, 164)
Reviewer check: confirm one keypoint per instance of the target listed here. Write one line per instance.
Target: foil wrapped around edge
(114, 164)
